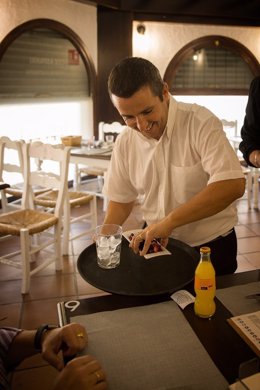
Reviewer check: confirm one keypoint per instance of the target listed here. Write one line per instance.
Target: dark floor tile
(249, 217)
(10, 291)
(10, 314)
(79, 246)
(253, 259)
(249, 244)
(254, 227)
(9, 273)
(243, 264)
(51, 286)
(84, 288)
(243, 231)
(38, 312)
(68, 263)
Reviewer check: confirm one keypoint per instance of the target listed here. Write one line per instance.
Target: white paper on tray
(163, 252)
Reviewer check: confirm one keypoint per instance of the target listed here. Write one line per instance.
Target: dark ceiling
(223, 12)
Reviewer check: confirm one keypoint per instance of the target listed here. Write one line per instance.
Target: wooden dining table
(96, 157)
(87, 156)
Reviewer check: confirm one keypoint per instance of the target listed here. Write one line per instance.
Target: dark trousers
(223, 253)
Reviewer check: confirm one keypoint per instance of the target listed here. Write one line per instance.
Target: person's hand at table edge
(69, 339)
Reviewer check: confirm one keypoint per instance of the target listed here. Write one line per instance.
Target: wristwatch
(38, 335)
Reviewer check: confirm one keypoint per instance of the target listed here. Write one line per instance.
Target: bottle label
(204, 284)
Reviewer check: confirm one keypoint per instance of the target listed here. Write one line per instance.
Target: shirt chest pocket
(187, 181)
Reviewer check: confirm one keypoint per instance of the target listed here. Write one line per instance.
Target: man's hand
(157, 231)
(69, 340)
(81, 373)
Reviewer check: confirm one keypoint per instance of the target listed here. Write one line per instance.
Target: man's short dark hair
(133, 73)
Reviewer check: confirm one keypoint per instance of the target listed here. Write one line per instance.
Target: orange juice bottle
(205, 285)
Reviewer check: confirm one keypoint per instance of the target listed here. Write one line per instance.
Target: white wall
(164, 40)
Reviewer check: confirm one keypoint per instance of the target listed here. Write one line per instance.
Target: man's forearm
(118, 212)
(213, 199)
(21, 347)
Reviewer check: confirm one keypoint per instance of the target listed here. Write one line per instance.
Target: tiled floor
(50, 287)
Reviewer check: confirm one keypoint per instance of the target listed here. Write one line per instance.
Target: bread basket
(71, 140)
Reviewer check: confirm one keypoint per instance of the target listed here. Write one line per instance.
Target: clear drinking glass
(108, 239)
(109, 139)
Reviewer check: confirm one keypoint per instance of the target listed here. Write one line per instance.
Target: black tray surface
(139, 276)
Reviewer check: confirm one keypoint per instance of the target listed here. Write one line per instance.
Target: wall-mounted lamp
(196, 54)
(141, 29)
(195, 57)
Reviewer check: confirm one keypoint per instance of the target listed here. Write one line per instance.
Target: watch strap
(39, 333)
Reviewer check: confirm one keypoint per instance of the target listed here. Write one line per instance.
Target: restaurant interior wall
(173, 36)
(160, 43)
(82, 19)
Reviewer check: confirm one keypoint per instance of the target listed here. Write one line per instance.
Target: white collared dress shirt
(192, 153)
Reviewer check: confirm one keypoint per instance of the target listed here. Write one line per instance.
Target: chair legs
(25, 254)
(66, 229)
(93, 211)
(25, 242)
(68, 220)
(57, 247)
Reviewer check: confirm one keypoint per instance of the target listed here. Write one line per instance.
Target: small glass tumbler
(108, 239)
(109, 139)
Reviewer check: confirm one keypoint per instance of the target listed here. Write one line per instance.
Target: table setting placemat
(235, 298)
(150, 347)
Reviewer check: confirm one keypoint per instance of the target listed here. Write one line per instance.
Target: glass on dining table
(109, 138)
(90, 143)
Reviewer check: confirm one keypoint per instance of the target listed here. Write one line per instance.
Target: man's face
(144, 112)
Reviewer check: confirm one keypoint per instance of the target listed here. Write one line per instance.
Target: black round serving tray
(139, 276)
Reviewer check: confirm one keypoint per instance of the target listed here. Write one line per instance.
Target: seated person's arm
(53, 342)
(21, 348)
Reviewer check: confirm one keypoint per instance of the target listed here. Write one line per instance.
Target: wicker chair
(73, 200)
(11, 169)
(28, 222)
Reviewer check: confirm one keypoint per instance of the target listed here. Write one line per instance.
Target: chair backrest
(53, 173)
(11, 160)
(11, 171)
(104, 129)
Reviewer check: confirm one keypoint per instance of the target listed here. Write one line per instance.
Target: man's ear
(165, 88)
(165, 91)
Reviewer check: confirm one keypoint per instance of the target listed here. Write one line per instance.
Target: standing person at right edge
(250, 132)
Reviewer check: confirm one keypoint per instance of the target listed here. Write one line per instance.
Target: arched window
(212, 65)
(43, 61)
